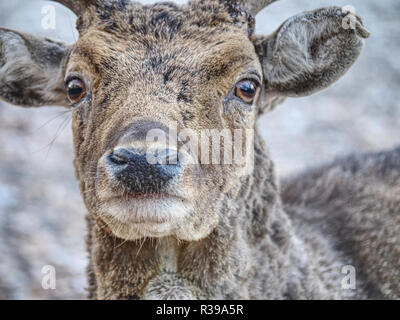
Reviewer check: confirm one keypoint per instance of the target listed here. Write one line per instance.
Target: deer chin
(154, 216)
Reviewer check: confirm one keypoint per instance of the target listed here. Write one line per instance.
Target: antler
(76, 6)
(251, 6)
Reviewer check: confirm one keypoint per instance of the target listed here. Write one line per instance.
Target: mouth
(144, 196)
(145, 209)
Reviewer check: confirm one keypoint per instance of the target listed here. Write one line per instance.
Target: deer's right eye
(76, 90)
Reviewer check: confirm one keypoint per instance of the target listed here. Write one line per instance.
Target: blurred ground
(41, 213)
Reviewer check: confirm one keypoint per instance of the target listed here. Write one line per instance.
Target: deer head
(139, 70)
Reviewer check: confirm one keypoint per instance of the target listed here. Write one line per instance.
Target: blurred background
(41, 212)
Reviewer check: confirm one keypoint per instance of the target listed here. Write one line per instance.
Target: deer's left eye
(246, 90)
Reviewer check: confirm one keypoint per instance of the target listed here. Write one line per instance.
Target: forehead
(202, 36)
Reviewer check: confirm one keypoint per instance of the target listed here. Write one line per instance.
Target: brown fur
(168, 63)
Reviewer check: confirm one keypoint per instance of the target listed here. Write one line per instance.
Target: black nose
(143, 172)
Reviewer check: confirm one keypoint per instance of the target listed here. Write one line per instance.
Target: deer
(161, 223)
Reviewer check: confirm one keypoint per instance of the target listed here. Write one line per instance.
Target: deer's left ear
(31, 69)
(310, 51)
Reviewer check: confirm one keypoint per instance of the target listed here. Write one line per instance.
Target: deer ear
(310, 51)
(31, 70)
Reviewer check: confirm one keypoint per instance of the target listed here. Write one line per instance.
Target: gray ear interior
(311, 51)
(31, 69)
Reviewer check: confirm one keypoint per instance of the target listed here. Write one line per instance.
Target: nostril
(133, 169)
(120, 156)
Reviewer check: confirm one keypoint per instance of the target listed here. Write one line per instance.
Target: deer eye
(246, 90)
(76, 90)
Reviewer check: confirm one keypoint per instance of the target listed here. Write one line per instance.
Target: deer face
(165, 98)
(146, 85)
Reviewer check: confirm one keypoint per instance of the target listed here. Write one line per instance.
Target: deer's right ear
(32, 70)
(309, 52)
